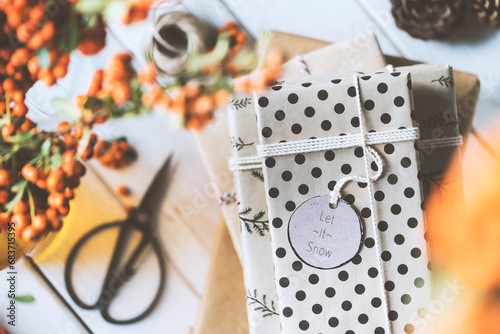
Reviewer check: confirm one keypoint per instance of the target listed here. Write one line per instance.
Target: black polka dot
(322, 95)
(336, 81)
(382, 88)
(412, 222)
(296, 128)
(386, 256)
(366, 212)
(326, 125)
(351, 91)
(406, 162)
(306, 84)
(290, 206)
(339, 108)
(395, 74)
(359, 289)
(399, 101)
(389, 148)
(359, 152)
(396, 209)
(297, 266)
(300, 159)
(402, 269)
(346, 168)
(392, 178)
(356, 259)
(363, 318)
(349, 198)
(277, 222)
(274, 192)
(373, 272)
(333, 322)
(376, 302)
(330, 292)
(379, 330)
(279, 115)
(263, 102)
(409, 192)
(317, 308)
(419, 282)
(369, 242)
(389, 285)
(382, 226)
(286, 175)
(406, 299)
(385, 118)
(331, 185)
(362, 184)
(343, 276)
(316, 172)
(287, 312)
(300, 295)
(329, 155)
(304, 325)
(293, 98)
(280, 252)
(379, 195)
(374, 166)
(393, 315)
(355, 122)
(284, 282)
(313, 279)
(346, 305)
(303, 189)
(369, 105)
(276, 88)
(270, 162)
(267, 132)
(309, 111)
(416, 252)
(409, 85)
(366, 77)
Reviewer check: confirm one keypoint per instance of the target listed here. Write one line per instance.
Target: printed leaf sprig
(239, 144)
(254, 224)
(241, 103)
(445, 81)
(258, 175)
(261, 305)
(440, 120)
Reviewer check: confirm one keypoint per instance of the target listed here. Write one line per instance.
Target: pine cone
(487, 11)
(428, 19)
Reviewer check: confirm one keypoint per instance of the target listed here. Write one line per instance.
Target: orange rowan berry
(30, 173)
(39, 223)
(123, 190)
(8, 130)
(29, 233)
(56, 200)
(20, 207)
(20, 109)
(4, 197)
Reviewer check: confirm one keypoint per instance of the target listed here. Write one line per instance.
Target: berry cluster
(115, 154)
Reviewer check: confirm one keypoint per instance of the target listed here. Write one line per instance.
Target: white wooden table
(189, 214)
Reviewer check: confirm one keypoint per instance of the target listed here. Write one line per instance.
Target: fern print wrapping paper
(360, 53)
(349, 298)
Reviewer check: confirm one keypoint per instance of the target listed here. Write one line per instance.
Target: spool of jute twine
(174, 36)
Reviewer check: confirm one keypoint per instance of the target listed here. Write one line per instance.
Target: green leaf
(69, 110)
(68, 37)
(45, 148)
(24, 299)
(19, 189)
(24, 139)
(91, 6)
(43, 57)
(214, 57)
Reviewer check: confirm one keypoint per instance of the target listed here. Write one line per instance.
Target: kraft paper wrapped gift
(257, 259)
(360, 268)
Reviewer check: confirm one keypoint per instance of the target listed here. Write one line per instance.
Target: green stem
(32, 204)
(7, 104)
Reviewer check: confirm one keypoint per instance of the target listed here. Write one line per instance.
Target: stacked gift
(385, 260)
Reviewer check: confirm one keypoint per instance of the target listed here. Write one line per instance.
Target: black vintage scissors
(140, 220)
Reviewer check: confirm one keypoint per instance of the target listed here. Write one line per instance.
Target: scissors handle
(115, 278)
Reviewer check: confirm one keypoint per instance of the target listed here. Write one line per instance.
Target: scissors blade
(155, 194)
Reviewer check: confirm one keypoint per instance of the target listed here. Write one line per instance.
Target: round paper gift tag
(323, 237)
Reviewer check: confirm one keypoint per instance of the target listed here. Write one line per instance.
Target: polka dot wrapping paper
(350, 298)
(360, 53)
